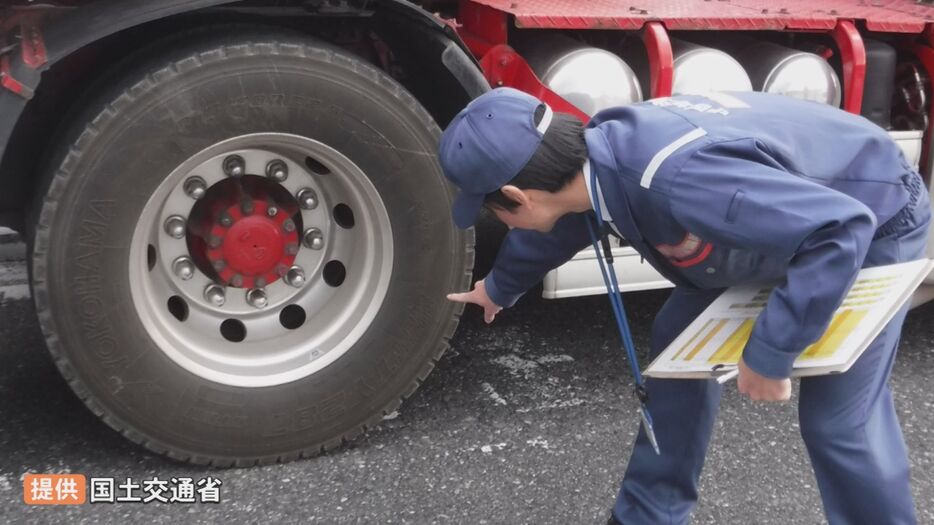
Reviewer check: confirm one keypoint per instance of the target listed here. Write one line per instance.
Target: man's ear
(515, 194)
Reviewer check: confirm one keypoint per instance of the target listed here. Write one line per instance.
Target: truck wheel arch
(24, 134)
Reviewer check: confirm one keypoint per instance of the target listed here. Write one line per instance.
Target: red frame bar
(502, 66)
(10, 83)
(485, 30)
(661, 59)
(482, 27)
(853, 55)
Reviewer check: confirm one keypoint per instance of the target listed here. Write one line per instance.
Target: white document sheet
(714, 342)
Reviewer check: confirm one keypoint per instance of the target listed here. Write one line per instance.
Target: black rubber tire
(135, 133)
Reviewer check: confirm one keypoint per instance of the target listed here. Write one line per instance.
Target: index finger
(463, 297)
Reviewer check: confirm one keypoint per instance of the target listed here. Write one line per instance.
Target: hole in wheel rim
(151, 257)
(178, 308)
(343, 216)
(292, 316)
(316, 167)
(233, 330)
(334, 273)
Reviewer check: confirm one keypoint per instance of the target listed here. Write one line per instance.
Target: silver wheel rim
(337, 312)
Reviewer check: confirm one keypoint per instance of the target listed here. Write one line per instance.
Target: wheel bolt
(237, 280)
(195, 187)
(288, 226)
(259, 282)
(313, 239)
(295, 276)
(277, 171)
(256, 297)
(214, 242)
(215, 295)
(308, 199)
(219, 264)
(272, 211)
(291, 249)
(281, 270)
(175, 226)
(183, 268)
(234, 166)
(226, 220)
(247, 206)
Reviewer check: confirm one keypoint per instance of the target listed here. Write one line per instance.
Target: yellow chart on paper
(731, 349)
(716, 339)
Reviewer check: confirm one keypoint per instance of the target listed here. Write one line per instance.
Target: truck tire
(241, 254)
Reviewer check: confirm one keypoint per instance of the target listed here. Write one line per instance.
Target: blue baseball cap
(487, 144)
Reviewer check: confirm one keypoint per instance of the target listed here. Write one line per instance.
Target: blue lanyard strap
(616, 302)
(619, 312)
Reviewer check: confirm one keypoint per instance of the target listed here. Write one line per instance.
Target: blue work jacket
(724, 189)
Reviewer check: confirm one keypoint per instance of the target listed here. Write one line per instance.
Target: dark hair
(554, 164)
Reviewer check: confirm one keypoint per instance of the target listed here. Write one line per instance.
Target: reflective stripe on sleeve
(666, 152)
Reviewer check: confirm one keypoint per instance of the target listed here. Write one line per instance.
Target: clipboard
(713, 343)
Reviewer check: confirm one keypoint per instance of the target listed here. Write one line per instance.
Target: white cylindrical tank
(699, 69)
(591, 78)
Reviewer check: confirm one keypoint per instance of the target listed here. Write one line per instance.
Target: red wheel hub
(253, 245)
(254, 249)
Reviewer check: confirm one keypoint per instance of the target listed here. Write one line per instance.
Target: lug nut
(215, 295)
(308, 199)
(214, 241)
(237, 280)
(195, 187)
(288, 226)
(247, 206)
(259, 282)
(183, 268)
(256, 297)
(219, 264)
(291, 249)
(295, 276)
(281, 270)
(272, 211)
(277, 170)
(234, 166)
(313, 239)
(175, 226)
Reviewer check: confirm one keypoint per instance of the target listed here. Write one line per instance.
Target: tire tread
(58, 181)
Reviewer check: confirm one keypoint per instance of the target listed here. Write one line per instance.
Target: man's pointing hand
(478, 297)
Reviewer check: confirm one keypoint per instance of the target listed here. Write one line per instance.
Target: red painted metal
(661, 59)
(481, 27)
(34, 54)
(853, 56)
(502, 66)
(10, 83)
(32, 47)
(254, 247)
(905, 16)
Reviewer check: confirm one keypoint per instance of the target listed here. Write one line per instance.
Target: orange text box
(54, 489)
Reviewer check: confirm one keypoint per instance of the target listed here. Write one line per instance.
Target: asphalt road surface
(528, 420)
